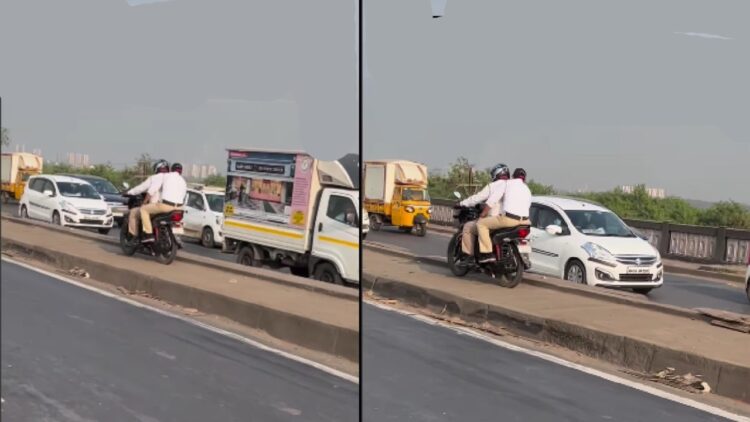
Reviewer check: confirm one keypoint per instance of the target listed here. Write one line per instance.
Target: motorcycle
(510, 247)
(165, 244)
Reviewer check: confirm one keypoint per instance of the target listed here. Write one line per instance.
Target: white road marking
(559, 361)
(256, 344)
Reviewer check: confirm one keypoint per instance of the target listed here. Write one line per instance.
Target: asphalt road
(678, 290)
(69, 354)
(413, 371)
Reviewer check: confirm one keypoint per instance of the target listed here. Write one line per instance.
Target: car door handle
(320, 227)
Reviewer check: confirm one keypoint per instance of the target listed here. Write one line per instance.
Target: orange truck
(16, 168)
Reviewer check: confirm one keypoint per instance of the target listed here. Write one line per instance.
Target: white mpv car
(203, 214)
(586, 243)
(65, 201)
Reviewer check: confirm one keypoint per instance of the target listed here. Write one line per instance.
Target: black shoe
(486, 257)
(147, 238)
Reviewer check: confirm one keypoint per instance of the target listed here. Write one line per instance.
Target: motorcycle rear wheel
(511, 280)
(167, 249)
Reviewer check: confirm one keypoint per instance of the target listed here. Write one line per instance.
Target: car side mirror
(554, 230)
(126, 185)
(638, 234)
(457, 195)
(49, 193)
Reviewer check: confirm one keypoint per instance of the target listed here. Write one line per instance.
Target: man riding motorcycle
(516, 198)
(500, 175)
(160, 168)
(172, 189)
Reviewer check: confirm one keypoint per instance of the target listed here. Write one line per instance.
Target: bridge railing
(711, 245)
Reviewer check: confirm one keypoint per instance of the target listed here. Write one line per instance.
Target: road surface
(70, 354)
(412, 371)
(678, 290)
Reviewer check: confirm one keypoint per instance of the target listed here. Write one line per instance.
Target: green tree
(215, 180)
(726, 214)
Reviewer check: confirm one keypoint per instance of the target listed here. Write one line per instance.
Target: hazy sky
(583, 94)
(180, 79)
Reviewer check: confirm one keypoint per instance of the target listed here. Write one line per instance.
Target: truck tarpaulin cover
(344, 172)
(269, 186)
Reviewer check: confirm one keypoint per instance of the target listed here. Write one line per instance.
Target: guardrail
(711, 245)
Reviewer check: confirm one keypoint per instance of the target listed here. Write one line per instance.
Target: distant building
(658, 193)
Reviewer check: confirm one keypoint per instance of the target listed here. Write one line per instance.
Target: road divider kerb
(726, 379)
(296, 328)
(609, 295)
(260, 273)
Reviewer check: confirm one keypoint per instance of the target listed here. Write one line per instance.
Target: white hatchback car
(65, 201)
(203, 214)
(586, 243)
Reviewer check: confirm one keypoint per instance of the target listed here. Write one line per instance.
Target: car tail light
(176, 216)
(522, 233)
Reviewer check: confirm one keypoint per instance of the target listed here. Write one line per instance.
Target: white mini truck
(288, 209)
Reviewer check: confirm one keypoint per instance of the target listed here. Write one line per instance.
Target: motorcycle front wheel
(127, 243)
(454, 256)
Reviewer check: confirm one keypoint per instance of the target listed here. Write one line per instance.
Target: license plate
(178, 230)
(525, 249)
(638, 270)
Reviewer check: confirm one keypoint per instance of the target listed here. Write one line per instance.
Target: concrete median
(319, 318)
(637, 338)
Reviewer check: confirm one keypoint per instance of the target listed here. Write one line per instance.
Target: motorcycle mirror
(457, 194)
(554, 230)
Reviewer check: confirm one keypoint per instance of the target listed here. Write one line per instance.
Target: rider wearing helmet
(516, 199)
(500, 174)
(171, 189)
(160, 167)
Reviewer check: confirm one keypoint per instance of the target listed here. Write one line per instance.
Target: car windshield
(415, 195)
(77, 190)
(215, 202)
(103, 186)
(599, 223)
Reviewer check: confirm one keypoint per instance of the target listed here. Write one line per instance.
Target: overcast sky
(180, 79)
(583, 94)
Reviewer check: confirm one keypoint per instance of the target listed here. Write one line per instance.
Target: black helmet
(161, 166)
(519, 173)
(499, 170)
(177, 167)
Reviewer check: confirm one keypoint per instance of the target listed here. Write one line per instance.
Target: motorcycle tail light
(522, 233)
(177, 216)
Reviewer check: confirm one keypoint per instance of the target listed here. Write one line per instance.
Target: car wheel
(103, 231)
(576, 272)
(327, 273)
(246, 256)
(207, 238)
(643, 290)
(747, 289)
(56, 219)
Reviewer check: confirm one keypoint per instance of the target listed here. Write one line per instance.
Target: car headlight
(598, 253)
(409, 208)
(429, 210)
(68, 207)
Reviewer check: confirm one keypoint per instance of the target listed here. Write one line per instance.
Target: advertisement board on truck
(269, 187)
